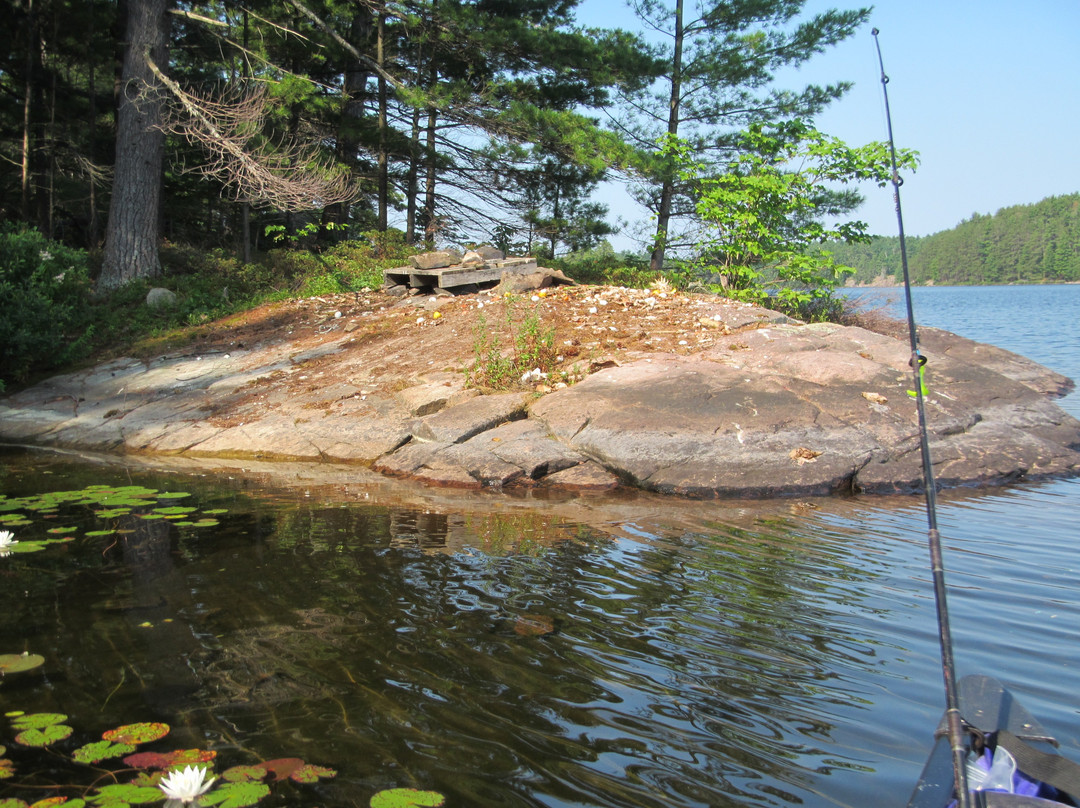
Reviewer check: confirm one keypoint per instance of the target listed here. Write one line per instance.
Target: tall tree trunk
(667, 188)
(354, 86)
(383, 180)
(31, 97)
(245, 206)
(556, 212)
(47, 200)
(92, 218)
(412, 182)
(431, 227)
(132, 233)
(245, 231)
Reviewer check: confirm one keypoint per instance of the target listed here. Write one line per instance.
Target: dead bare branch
(228, 130)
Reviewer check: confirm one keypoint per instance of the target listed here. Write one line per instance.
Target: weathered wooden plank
(448, 277)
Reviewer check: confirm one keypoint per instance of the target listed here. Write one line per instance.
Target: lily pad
(11, 802)
(101, 750)
(175, 509)
(27, 546)
(17, 663)
(282, 768)
(244, 774)
(133, 490)
(36, 720)
(125, 793)
(135, 734)
(51, 802)
(407, 798)
(170, 760)
(309, 773)
(235, 795)
(112, 513)
(7, 768)
(46, 736)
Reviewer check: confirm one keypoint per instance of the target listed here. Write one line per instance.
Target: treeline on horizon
(1038, 243)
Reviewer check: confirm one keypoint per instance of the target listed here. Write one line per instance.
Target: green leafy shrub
(388, 245)
(602, 265)
(44, 303)
(766, 213)
(49, 317)
(346, 267)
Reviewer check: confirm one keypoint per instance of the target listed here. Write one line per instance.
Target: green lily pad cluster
(132, 776)
(137, 783)
(104, 503)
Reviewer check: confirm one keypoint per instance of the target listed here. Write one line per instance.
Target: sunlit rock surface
(772, 408)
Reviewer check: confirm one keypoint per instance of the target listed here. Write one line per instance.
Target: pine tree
(719, 61)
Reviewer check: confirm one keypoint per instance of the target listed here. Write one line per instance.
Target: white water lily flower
(187, 785)
(7, 539)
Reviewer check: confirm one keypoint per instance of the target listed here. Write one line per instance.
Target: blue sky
(987, 91)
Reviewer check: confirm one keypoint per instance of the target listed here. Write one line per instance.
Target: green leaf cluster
(765, 213)
(239, 787)
(44, 303)
(18, 663)
(109, 507)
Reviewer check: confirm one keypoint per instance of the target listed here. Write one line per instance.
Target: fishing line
(954, 721)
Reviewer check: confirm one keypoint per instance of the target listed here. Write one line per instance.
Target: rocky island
(681, 394)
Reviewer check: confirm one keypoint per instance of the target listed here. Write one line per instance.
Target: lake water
(602, 652)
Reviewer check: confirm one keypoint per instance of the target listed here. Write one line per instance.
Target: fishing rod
(954, 721)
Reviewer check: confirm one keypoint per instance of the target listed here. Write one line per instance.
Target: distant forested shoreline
(1037, 243)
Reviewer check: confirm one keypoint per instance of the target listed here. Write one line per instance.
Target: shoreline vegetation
(1021, 244)
(889, 282)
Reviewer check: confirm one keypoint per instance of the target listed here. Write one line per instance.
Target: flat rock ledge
(780, 408)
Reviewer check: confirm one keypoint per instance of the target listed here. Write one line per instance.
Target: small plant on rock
(531, 357)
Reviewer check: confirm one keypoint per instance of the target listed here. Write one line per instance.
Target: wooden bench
(447, 278)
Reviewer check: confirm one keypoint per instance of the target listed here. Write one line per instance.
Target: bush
(346, 267)
(49, 317)
(602, 265)
(44, 303)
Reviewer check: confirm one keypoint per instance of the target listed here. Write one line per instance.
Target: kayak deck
(986, 704)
